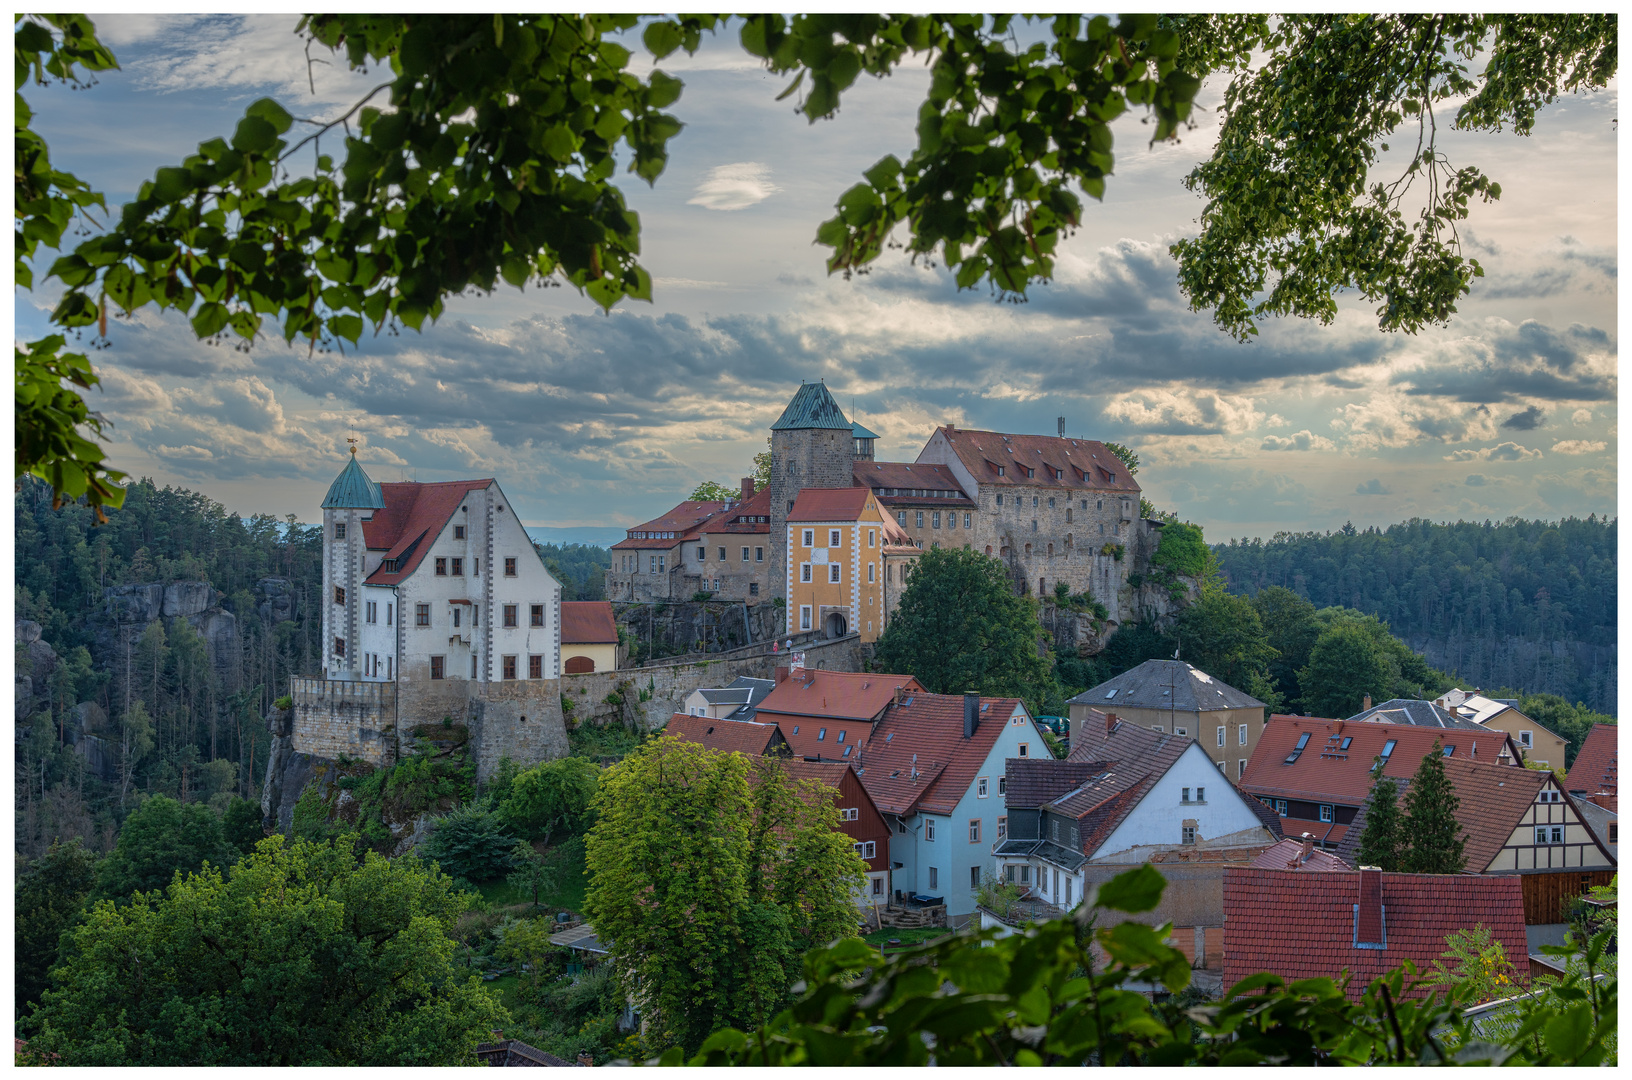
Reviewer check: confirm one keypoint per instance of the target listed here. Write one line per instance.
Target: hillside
(1528, 604)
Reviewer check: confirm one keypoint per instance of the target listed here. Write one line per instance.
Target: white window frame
(974, 830)
(810, 538)
(1241, 735)
(980, 788)
(871, 569)
(833, 573)
(1221, 735)
(804, 573)
(835, 538)
(1527, 739)
(1326, 812)
(929, 830)
(804, 616)
(872, 537)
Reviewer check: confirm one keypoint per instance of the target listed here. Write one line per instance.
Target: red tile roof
(413, 517)
(1326, 773)
(936, 483)
(740, 736)
(1303, 926)
(739, 519)
(835, 695)
(929, 727)
(1288, 854)
(1595, 764)
(681, 522)
(1079, 463)
(588, 622)
(828, 504)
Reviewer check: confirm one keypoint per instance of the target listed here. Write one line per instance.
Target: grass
(567, 896)
(914, 936)
(595, 741)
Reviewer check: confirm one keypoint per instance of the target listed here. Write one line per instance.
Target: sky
(588, 419)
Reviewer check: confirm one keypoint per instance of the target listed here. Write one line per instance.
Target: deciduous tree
(1345, 664)
(50, 898)
(301, 956)
(159, 840)
(553, 799)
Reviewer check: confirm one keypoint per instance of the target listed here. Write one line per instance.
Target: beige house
(1175, 697)
(589, 637)
(1502, 714)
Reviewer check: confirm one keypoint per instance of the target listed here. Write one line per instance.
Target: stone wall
(520, 720)
(334, 718)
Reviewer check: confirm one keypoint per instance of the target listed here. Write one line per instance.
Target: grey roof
(758, 690)
(811, 407)
(1057, 854)
(726, 696)
(1166, 684)
(1415, 713)
(353, 489)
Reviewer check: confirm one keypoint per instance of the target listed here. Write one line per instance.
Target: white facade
(479, 605)
(958, 854)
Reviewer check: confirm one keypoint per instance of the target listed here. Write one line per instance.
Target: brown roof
(588, 622)
(839, 695)
(929, 727)
(742, 518)
(412, 518)
(1138, 757)
(828, 504)
(935, 485)
(1288, 854)
(1325, 772)
(1594, 769)
(1067, 464)
(1036, 782)
(1304, 926)
(740, 736)
(681, 522)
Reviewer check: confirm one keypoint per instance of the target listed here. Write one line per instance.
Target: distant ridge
(593, 535)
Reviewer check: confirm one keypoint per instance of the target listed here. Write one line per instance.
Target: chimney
(1303, 856)
(1370, 931)
(586, 1061)
(1111, 721)
(1365, 703)
(747, 488)
(781, 675)
(900, 694)
(971, 714)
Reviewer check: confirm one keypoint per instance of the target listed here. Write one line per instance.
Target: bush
(471, 842)
(284, 702)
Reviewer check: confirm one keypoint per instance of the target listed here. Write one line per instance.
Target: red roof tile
(935, 483)
(1079, 463)
(740, 518)
(740, 736)
(588, 622)
(1325, 772)
(929, 727)
(1288, 854)
(1595, 763)
(413, 517)
(681, 522)
(1303, 926)
(828, 504)
(835, 695)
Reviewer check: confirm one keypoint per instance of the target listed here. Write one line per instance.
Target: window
(389, 618)
(1240, 768)
(1303, 740)
(1025, 749)
(753, 588)
(1002, 828)
(821, 734)
(1201, 794)
(871, 570)
(974, 830)
(456, 617)
(833, 572)
(974, 877)
(810, 538)
(929, 830)
(340, 647)
(833, 539)
(935, 520)
(1524, 739)
(966, 520)
(422, 614)
(1184, 795)
(436, 666)
(1223, 768)
(759, 554)
(475, 566)
(867, 849)
(1451, 749)
(702, 554)
(722, 554)
(441, 568)
(458, 532)
(872, 537)
(1002, 785)
(1280, 807)
(1189, 834)
(933, 878)
(980, 788)
(510, 615)
(919, 517)
(339, 595)
(1221, 735)
(901, 515)
(1181, 731)
(744, 554)
(1347, 741)
(1051, 498)
(538, 615)
(842, 734)
(1325, 812)
(1612, 831)
(1025, 873)
(804, 613)
(804, 571)
(509, 567)
(509, 665)
(1241, 735)
(373, 609)
(1388, 748)
(458, 569)
(1541, 834)
(474, 608)
(535, 667)
(473, 666)
(878, 886)
(850, 813)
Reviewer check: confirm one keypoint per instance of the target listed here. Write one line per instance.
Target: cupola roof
(352, 489)
(811, 407)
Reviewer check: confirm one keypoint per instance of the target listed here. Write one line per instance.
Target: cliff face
(128, 610)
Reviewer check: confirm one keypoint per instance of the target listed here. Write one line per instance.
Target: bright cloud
(1579, 446)
(1507, 451)
(735, 187)
(1298, 440)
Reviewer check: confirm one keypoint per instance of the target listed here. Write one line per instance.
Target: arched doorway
(835, 625)
(579, 665)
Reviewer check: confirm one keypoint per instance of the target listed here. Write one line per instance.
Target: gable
(1158, 815)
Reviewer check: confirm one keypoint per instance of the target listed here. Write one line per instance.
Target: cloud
(734, 187)
(1373, 486)
(1476, 480)
(1185, 412)
(1507, 451)
(1506, 362)
(1528, 420)
(1579, 446)
(1300, 440)
(1581, 416)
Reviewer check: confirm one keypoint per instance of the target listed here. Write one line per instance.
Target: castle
(1054, 510)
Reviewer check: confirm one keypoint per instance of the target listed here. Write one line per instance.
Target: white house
(934, 766)
(426, 583)
(1122, 797)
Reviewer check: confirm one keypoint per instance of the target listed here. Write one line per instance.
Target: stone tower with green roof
(812, 446)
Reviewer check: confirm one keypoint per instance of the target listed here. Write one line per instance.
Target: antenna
(1061, 424)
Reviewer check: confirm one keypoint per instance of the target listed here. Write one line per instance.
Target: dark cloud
(1527, 361)
(1373, 486)
(1528, 420)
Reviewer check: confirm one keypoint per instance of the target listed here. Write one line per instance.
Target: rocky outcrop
(128, 610)
(185, 599)
(275, 600)
(287, 773)
(36, 660)
(671, 629)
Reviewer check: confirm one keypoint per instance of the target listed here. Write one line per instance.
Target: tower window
(436, 666)
(340, 647)
(458, 532)
(538, 615)
(458, 568)
(422, 614)
(510, 617)
(510, 567)
(535, 667)
(441, 568)
(339, 595)
(340, 530)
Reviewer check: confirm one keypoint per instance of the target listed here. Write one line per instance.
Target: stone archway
(835, 626)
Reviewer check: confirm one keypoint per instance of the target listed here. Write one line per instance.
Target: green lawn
(568, 897)
(881, 938)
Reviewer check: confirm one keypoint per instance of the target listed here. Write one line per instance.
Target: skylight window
(1297, 751)
(1388, 748)
(1347, 739)
(1112, 694)
(1449, 750)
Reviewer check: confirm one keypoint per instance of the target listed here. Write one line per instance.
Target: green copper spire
(353, 489)
(811, 407)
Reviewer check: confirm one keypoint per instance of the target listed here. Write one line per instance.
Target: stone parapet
(335, 717)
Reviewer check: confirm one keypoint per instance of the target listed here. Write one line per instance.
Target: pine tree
(1430, 821)
(1381, 842)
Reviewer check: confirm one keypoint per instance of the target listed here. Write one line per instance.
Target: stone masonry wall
(333, 718)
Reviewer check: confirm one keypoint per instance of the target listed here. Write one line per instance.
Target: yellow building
(589, 637)
(1502, 714)
(841, 548)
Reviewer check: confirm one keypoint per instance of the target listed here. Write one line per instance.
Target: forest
(580, 568)
(1528, 604)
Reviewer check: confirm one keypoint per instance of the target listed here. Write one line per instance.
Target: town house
(830, 715)
(1537, 743)
(840, 547)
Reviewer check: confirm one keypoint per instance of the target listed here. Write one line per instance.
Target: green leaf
(661, 38)
(1139, 889)
(663, 89)
(246, 324)
(349, 327)
(254, 135)
(272, 113)
(560, 143)
(210, 319)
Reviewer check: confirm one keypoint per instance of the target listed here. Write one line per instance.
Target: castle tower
(812, 446)
(352, 500)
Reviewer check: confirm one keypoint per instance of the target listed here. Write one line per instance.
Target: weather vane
(353, 443)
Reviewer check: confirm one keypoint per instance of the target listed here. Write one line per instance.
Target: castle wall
(803, 458)
(335, 717)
